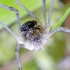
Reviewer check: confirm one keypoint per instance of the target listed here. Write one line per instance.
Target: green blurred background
(55, 48)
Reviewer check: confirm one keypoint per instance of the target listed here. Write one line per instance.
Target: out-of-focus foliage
(9, 17)
(54, 49)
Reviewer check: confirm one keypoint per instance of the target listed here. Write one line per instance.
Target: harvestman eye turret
(32, 34)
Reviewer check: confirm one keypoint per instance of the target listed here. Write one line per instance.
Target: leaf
(62, 19)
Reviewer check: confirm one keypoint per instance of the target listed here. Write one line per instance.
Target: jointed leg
(59, 29)
(17, 57)
(30, 13)
(44, 11)
(9, 30)
(17, 14)
(49, 16)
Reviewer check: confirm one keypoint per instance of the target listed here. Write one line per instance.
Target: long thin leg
(17, 14)
(9, 30)
(49, 16)
(17, 57)
(59, 29)
(44, 11)
(30, 13)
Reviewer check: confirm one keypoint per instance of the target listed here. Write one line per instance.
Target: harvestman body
(32, 35)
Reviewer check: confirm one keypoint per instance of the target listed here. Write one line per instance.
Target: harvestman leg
(30, 13)
(17, 57)
(17, 48)
(47, 23)
(49, 15)
(8, 30)
(44, 11)
(19, 31)
(59, 29)
(17, 14)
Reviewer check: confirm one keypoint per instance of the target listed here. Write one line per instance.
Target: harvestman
(32, 34)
